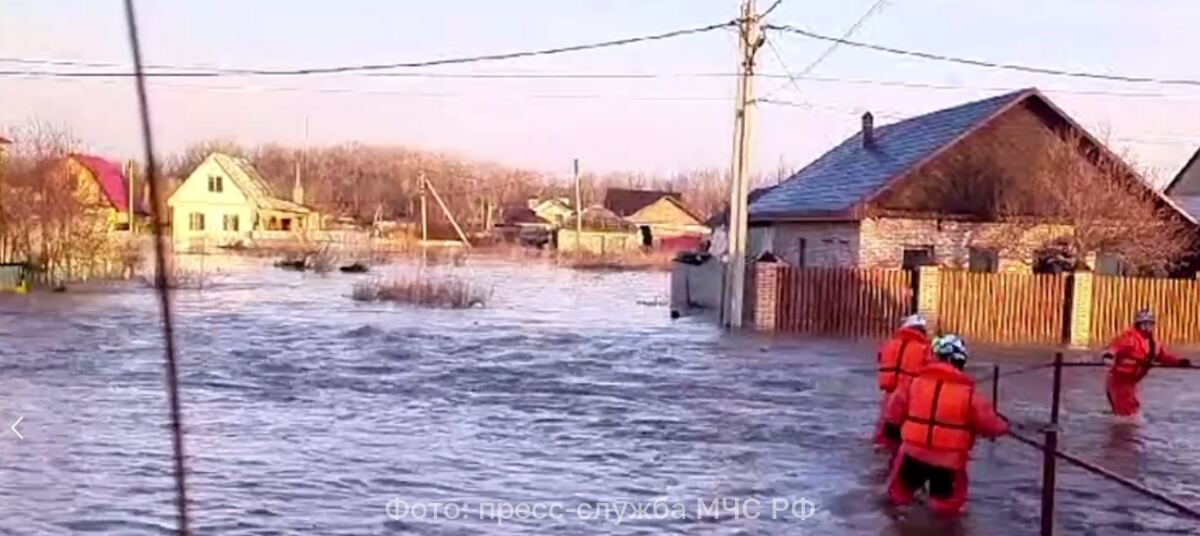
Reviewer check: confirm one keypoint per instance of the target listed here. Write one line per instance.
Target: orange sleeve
(897, 406)
(1167, 358)
(987, 423)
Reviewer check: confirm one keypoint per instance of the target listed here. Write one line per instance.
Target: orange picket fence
(1176, 303)
(842, 301)
(1003, 307)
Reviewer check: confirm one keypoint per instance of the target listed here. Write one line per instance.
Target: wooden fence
(1176, 303)
(842, 301)
(1003, 307)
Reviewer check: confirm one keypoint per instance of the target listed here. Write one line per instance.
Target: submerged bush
(423, 291)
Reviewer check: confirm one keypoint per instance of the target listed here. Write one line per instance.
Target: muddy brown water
(306, 413)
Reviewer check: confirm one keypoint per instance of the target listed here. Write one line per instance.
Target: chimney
(868, 130)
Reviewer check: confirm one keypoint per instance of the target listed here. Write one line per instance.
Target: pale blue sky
(609, 124)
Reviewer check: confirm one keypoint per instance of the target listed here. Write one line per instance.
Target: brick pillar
(766, 295)
(929, 294)
(1081, 310)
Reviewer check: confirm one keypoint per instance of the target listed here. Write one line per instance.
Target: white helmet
(952, 349)
(1144, 316)
(915, 321)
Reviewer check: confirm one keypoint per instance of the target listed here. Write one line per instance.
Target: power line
(825, 54)
(200, 72)
(845, 35)
(982, 63)
(770, 9)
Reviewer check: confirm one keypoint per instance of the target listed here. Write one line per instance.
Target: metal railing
(1051, 453)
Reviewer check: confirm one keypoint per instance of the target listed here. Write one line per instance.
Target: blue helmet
(952, 349)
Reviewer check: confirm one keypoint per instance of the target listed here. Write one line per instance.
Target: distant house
(603, 232)
(104, 186)
(865, 203)
(556, 210)
(521, 224)
(661, 217)
(225, 201)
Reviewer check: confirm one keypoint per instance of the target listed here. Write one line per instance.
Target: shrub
(424, 291)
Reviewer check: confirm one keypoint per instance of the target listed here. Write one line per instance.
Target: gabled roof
(252, 184)
(850, 174)
(625, 203)
(1195, 159)
(112, 181)
(521, 214)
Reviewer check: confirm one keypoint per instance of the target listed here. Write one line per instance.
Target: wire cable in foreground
(160, 279)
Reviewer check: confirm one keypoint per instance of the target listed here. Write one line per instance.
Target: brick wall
(885, 239)
(826, 244)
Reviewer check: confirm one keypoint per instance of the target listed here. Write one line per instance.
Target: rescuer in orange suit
(900, 360)
(1132, 354)
(941, 414)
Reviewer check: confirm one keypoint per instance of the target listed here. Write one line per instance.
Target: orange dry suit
(1133, 353)
(941, 414)
(900, 360)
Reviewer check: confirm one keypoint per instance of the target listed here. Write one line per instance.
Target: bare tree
(1042, 192)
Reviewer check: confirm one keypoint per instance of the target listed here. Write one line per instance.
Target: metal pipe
(1056, 397)
(1049, 476)
(996, 387)
(1100, 471)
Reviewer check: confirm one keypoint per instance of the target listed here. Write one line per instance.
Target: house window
(231, 222)
(285, 224)
(801, 252)
(983, 260)
(916, 257)
(216, 184)
(196, 221)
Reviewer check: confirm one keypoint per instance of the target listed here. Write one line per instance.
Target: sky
(655, 125)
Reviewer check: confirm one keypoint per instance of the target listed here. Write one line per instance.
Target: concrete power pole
(749, 41)
(578, 210)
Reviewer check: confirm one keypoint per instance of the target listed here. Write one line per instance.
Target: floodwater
(306, 413)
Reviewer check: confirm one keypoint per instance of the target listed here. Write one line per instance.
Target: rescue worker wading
(1132, 354)
(941, 413)
(900, 360)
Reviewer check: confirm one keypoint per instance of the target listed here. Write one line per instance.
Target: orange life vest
(939, 410)
(1134, 353)
(904, 355)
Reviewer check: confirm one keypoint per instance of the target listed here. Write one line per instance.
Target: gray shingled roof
(850, 173)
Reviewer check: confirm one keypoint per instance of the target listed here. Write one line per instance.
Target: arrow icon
(14, 427)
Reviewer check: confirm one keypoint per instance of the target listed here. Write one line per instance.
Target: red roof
(112, 181)
(4, 141)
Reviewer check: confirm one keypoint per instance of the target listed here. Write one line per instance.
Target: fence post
(929, 285)
(766, 295)
(1049, 459)
(1081, 309)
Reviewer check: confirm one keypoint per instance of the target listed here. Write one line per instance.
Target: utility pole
(749, 40)
(424, 215)
(578, 209)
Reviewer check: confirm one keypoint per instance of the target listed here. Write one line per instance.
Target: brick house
(860, 204)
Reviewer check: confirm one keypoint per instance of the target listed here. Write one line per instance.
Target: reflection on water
(307, 412)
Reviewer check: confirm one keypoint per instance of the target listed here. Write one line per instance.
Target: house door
(914, 258)
(647, 237)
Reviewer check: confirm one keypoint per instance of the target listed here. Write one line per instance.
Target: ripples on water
(307, 412)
